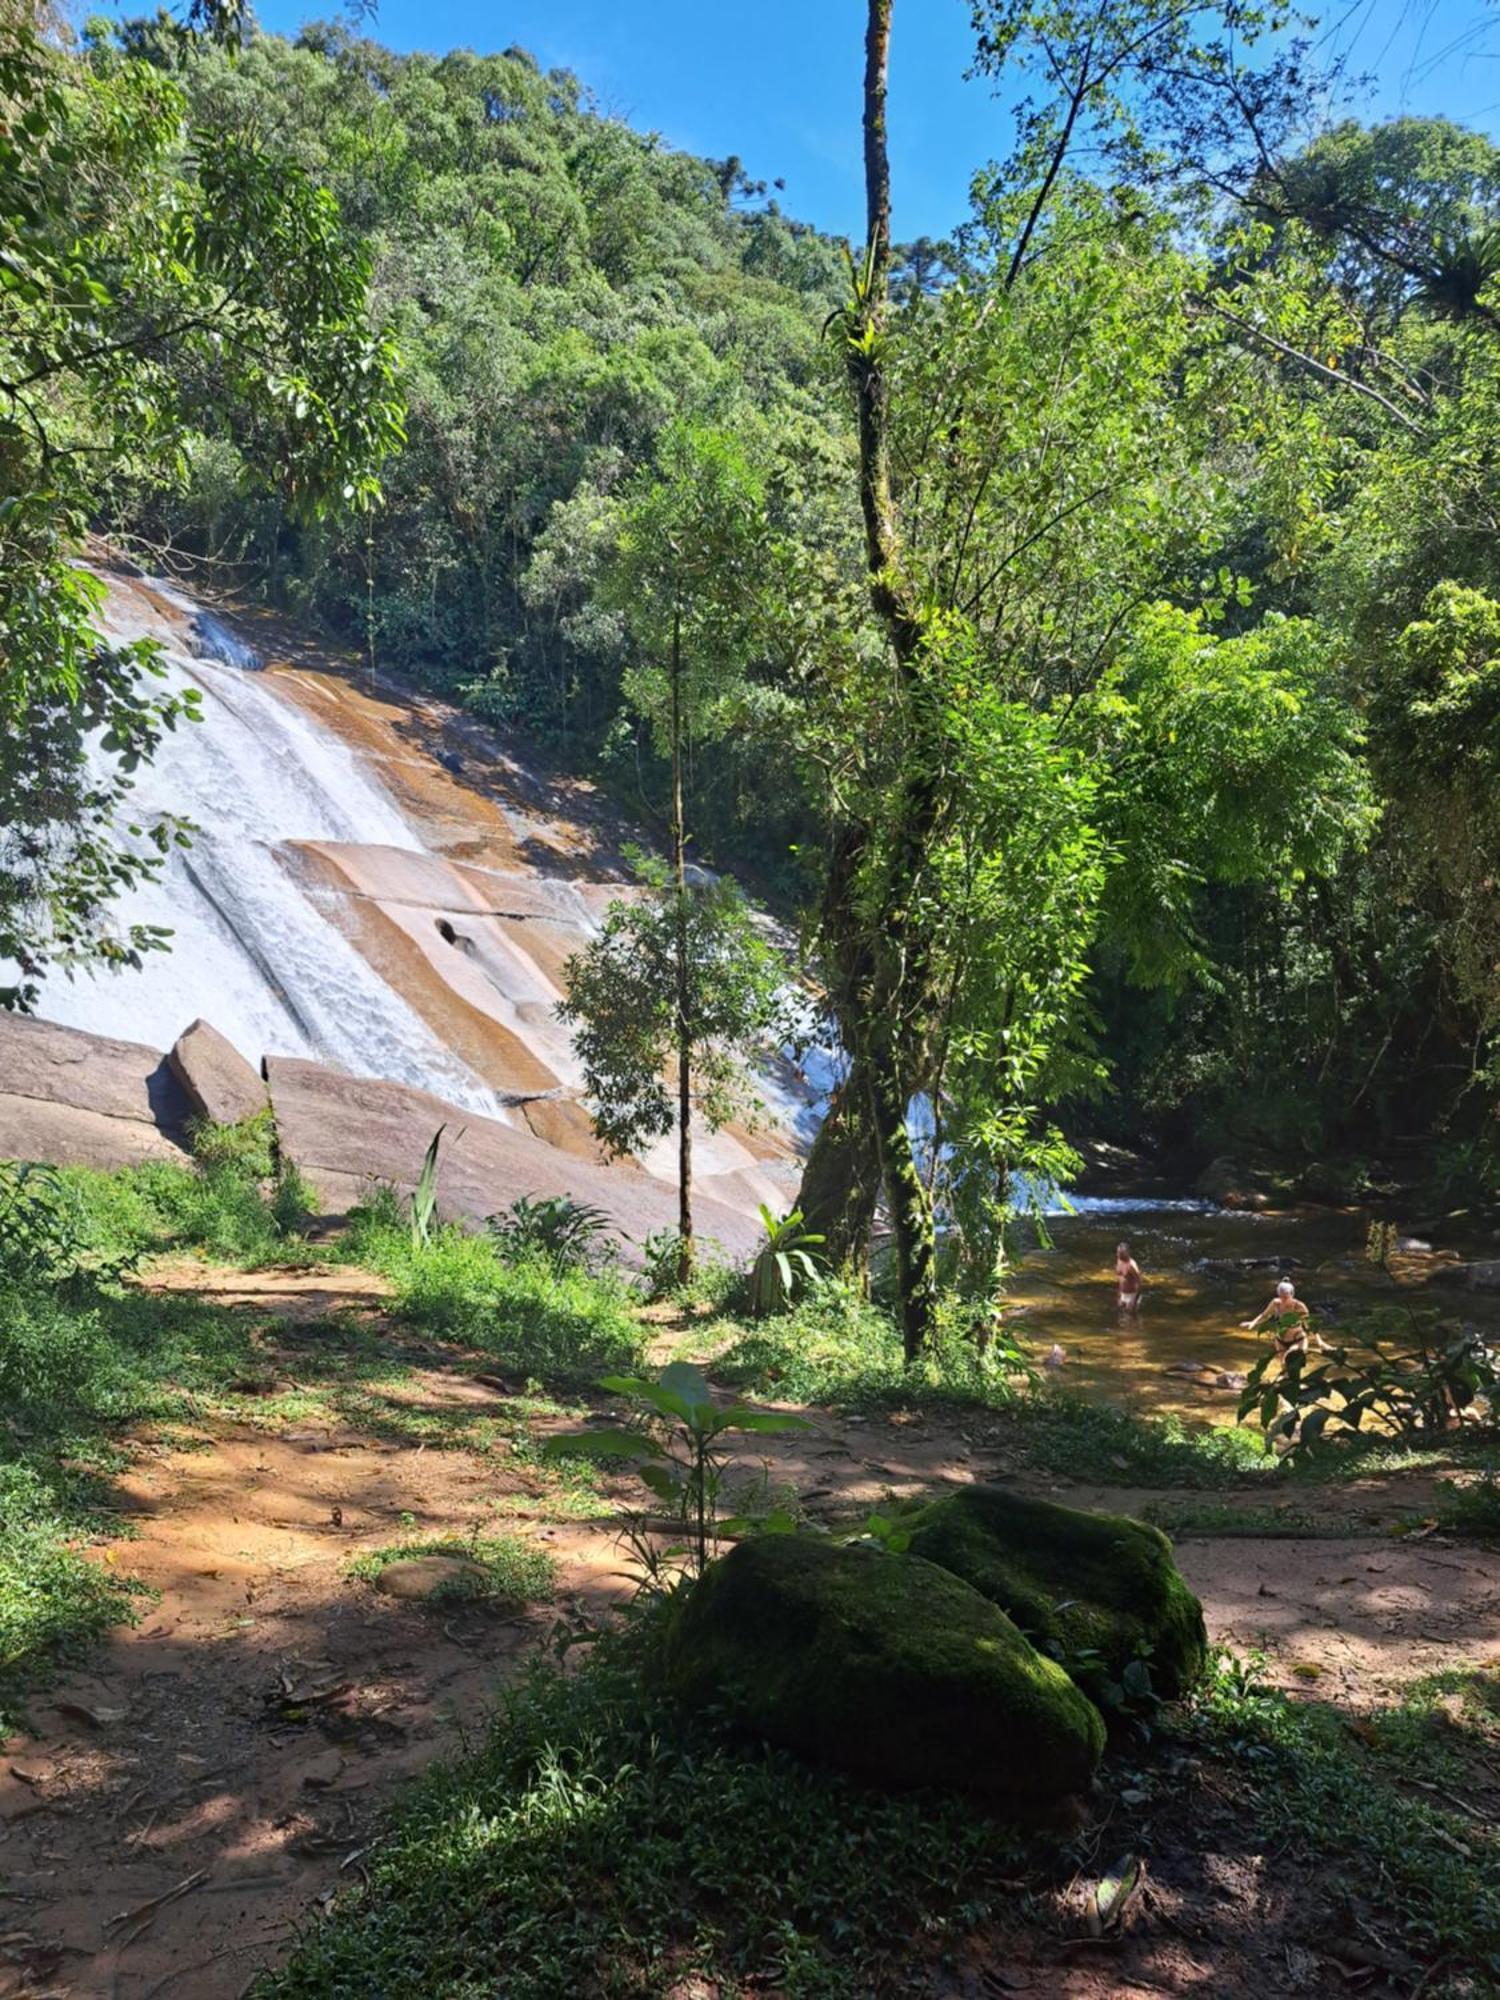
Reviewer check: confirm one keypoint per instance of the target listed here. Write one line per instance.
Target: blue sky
(777, 81)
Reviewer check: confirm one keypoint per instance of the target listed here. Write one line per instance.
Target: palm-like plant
(784, 1264)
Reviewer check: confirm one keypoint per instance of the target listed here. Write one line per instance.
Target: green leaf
(741, 1418)
(601, 1444)
(662, 1480)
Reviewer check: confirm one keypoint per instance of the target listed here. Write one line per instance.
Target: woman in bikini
(1288, 1317)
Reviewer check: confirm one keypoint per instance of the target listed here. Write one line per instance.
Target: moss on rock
(1082, 1583)
(885, 1665)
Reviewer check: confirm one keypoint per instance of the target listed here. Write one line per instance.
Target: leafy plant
(565, 1232)
(1127, 1698)
(677, 1451)
(422, 1212)
(785, 1262)
(45, 1233)
(1418, 1383)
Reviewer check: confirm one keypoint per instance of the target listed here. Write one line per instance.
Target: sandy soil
(180, 1810)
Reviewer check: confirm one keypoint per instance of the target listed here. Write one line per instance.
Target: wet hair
(1286, 1289)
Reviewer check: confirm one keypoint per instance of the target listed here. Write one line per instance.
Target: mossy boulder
(1087, 1584)
(884, 1665)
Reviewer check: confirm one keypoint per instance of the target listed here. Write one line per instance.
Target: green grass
(594, 1847)
(75, 1373)
(1472, 1510)
(1217, 1518)
(513, 1571)
(562, 1329)
(594, 1844)
(836, 1348)
(1095, 1443)
(1322, 1791)
(217, 1206)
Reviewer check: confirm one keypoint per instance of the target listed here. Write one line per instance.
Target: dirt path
(183, 1807)
(236, 1750)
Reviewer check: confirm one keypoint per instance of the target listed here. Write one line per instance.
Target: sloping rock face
(884, 1665)
(220, 1084)
(79, 1100)
(345, 1133)
(1091, 1584)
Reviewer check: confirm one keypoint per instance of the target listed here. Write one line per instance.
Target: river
(1206, 1271)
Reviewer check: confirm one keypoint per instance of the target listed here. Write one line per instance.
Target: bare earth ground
(182, 1808)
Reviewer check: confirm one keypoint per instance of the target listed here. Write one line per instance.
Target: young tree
(688, 578)
(679, 985)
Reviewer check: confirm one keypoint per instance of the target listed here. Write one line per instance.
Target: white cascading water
(250, 952)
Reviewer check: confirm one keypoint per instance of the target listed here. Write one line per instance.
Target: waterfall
(250, 951)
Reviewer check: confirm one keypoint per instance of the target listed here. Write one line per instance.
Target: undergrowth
(74, 1373)
(837, 1348)
(594, 1846)
(557, 1327)
(1324, 1787)
(496, 1569)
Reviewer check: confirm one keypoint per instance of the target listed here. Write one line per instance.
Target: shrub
(568, 1234)
(559, 1327)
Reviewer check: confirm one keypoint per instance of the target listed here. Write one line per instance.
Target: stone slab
(74, 1099)
(220, 1084)
(347, 1133)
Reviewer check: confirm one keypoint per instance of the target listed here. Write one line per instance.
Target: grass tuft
(594, 1846)
(560, 1328)
(514, 1571)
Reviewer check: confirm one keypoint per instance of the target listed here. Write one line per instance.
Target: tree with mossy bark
(1042, 456)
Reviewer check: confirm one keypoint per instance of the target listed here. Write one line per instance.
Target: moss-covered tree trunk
(841, 1179)
(890, 1005)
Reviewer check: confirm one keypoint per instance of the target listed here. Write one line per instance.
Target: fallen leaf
(1113, 1895)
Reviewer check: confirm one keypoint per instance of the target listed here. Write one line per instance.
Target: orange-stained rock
(348, 1133)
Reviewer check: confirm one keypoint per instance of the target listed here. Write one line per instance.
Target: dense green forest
(1277, 407)
(1084, 633)
(1174, 743)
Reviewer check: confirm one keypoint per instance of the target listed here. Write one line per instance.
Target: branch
(1319, 368)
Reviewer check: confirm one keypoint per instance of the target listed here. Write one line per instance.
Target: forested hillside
(1197, 477)
(561, 288)
(1084, 635)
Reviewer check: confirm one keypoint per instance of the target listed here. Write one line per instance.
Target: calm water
(1200, 1284)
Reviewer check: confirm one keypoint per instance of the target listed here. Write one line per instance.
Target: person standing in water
(1128, 1276)
(1289, 1317)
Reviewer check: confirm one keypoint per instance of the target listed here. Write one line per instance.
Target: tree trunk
(841, 1178)
(911, 1210)
(685, 1247)
(890, 1003)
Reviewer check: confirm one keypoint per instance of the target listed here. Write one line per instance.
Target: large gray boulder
(221, 1086)
(347, 1133)
(73, 1099)
(1101, 1589)
(883, 1665)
